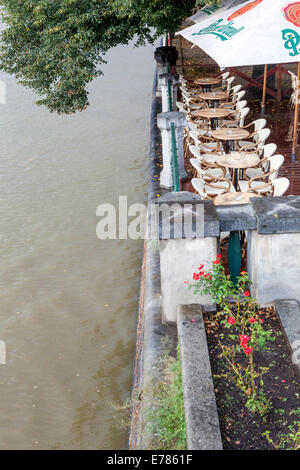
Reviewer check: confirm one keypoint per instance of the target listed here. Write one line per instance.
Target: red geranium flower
(248, 351)
(201, 273)
(262, 320)
(217, 261)
(201, 267)
(247, 293)
(219, 256)
(252, 320)
(196, 276)
(243, 272)
(231, 321)
(206, 275)
(244, 341)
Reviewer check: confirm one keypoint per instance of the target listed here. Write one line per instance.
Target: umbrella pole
(263, 103)
(296, 117)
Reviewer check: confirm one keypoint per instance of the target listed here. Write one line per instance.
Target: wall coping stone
(277, 215)
(236, 217)
(185, 198)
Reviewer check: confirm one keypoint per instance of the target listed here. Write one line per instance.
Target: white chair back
(196, 164)
(244, 112)
(229, 82)
(195, 151)
(280, 185)
(240, 105)
(239, 96)
(276, 162)
(224, 76)
(293, 79)
(259, 124)
(269, 150)
(262, 136)
(199, 186)
(181, 107)
(236, 89)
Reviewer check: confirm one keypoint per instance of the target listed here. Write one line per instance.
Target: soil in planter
(241, 429)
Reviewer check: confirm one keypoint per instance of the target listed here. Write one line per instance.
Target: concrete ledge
(201, 415)
(236, 217)
(202, 216)
(289, 314)
(277, 214)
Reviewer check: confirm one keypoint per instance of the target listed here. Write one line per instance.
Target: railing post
(169, 83)
(164, 56)
(165, 122)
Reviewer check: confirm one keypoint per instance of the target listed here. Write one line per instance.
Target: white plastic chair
(276, 187)
(271, 164)
(209, 190)
(280, 185)
(203, 157)
(258, 141)
(240, 119)
(258, 125)
(206, 147)
(209, 173)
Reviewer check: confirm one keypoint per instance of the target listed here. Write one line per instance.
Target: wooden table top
(239, 160)
(207, 81)
(234, 198)
(213, 112)
(232, 133)
(214, 95)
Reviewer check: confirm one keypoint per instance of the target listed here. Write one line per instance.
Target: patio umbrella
(211, 9)
(256, 32)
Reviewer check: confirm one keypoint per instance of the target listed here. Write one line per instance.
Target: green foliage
(163, 15)
(167, 419)
(288, 441)
(56, 47)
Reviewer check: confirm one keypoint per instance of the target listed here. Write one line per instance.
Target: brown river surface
(68, 301)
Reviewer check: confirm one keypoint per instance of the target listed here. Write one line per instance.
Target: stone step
(201, 415)
(289, 314)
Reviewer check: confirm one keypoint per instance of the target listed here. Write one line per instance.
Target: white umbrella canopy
(256, 32)
(210, 10)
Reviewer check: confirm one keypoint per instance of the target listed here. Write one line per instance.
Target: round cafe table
(214, 97)
(213, 114)
(207, 82)
(237, 161)
(230, 135)
(234, 198)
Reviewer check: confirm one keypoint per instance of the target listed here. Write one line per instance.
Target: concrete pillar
(274, 248)
(164, 121)
(164, 55)
(163, 83)
(188, 232)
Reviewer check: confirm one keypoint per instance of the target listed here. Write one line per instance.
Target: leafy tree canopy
(56, 46)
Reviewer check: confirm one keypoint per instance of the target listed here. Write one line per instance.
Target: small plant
(289, 441)
(246, 335)
(166, 420)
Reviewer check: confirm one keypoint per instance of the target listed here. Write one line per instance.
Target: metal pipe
(263, 103)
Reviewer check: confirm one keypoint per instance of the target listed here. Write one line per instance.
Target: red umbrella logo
(243, 10)
(292, 13)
